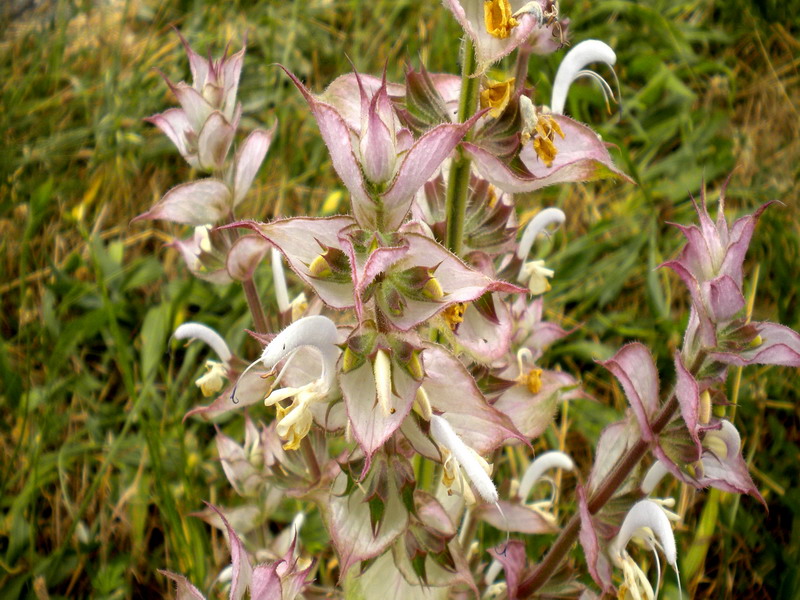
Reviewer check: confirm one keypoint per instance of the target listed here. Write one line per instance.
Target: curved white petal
(444, 435)
(543, 219)
(654, 476)
(204, 333)
(317, 331)
(544, 462)
(577, 58)
(647, 513)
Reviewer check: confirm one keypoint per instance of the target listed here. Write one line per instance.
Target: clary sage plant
(408, 365)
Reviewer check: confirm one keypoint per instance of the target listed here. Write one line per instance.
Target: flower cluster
(413, 356)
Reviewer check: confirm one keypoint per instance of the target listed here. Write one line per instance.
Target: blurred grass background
(99, 473)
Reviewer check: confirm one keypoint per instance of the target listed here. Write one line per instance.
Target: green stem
(458, 181)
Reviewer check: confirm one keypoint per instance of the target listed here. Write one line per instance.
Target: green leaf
(153, 339)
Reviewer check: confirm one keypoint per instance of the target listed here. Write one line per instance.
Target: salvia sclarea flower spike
(711, 267)
(647, 522)
(203, 130)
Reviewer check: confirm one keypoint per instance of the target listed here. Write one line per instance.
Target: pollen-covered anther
(454, 315)
(533, 380)
(495, 96)
(498, 18)
(543, 142)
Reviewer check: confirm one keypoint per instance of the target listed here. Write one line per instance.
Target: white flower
(320, 334)
(213, 380)
(543, 219)
(455, 454)
(647, 523)
(543, 463)
(204, 333)
(534, 272)
(653, 477)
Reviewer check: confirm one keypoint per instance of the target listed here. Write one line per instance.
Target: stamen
(454, 315)
(546, 128)
(496, 95)
(533, 381)
(498, 19)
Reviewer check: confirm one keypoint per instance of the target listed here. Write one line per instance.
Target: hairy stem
(458, 181)
(549, 564)
(545, 569)
(521, 67)
(254, 302)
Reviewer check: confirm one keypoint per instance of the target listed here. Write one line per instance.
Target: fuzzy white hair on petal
(444, 435)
